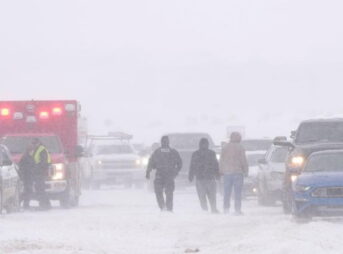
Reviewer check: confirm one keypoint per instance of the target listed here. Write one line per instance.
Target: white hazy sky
(153, 66)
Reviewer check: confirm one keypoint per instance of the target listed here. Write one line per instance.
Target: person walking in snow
(205, 168)
(167, 163)
(234, 166)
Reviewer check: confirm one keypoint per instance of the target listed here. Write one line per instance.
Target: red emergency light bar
(44, 115)
(5, 112)
(57, 111)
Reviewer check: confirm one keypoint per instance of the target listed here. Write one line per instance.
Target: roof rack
(112, 136)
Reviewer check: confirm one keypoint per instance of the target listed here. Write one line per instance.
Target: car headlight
(294, 178)
(138, 162)
(218, 156)
(58, 171)
(301, 188)
(99, 162)
(297, 161)
(145, 161)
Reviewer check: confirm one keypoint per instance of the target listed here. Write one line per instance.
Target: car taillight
(5, 112)
(57, 111)
(44, 115)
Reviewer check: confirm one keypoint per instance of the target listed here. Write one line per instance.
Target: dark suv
(311, 136)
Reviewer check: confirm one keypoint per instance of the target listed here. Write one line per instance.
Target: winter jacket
(26, 167)
(233, 159)
(42, 161)
(166, 161)
(204, 165)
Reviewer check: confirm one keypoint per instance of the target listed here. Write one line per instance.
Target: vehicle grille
(330, 192)
(118, 164)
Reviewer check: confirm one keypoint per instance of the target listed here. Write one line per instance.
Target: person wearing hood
(234, 166)
(167, 163)
(205, 168)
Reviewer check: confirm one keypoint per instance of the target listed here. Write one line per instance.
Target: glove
(147, 176)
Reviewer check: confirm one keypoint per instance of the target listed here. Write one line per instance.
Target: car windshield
(113, 149)
(279, 155)
(19, 144)
(254, 158)
(320, 132)
(325, 163)
(257, 145)
(188, 141)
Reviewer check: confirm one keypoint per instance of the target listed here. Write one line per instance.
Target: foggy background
(150, 67)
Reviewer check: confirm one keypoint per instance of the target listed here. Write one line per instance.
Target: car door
(9, 174)
(5, 177)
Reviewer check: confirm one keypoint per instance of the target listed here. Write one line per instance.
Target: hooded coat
(233, 158)
(204, 163)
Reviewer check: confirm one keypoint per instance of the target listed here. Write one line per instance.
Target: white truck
(113, 160)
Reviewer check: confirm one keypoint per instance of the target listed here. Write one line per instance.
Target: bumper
(56, 187)
(305, 204)
(117, 175)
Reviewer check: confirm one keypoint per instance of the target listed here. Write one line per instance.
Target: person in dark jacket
(26, 167)
(167, 163)
(42, 162)
(205, 168)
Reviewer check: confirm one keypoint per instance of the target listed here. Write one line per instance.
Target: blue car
(318, 190)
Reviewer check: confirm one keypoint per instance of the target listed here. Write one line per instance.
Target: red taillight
(44, 115)
(5, 112)
(57, 111)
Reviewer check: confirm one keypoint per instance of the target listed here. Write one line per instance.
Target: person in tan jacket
(234, 166)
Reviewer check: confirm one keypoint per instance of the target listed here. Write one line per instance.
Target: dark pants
(28, 191)
(164, 185)
(233, 182)
(40, 187)
(207, 189)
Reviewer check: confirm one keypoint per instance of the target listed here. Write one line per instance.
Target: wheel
(95, 185)
(263, 198)
(86, 184)
(300, 217)
(70, 199)
(287, 203)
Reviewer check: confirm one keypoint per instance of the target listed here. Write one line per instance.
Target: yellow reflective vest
(37, 155)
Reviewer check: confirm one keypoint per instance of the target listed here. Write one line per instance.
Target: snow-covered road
(114, 221)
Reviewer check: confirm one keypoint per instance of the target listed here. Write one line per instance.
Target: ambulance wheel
(70, 199)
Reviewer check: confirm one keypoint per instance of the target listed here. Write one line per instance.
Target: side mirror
(262, 161)
(79, 151)
(293, 134)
